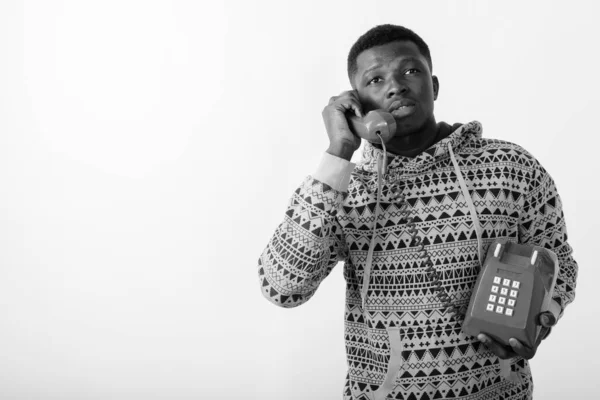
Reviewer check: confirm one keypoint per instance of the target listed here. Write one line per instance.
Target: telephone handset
(513, 288)
(374, 122)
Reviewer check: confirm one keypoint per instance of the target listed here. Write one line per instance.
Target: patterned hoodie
(401, 339)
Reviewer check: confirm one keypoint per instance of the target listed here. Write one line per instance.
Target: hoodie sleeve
(543, 224)
(309, 242)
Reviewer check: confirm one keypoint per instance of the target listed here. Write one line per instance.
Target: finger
(544, 332)
(493, 346)
(350, 105)
(502, 351)
(521, 349)
(353, 94)
(357, 106)
(357, 110)
(356, 97)
(348, 94)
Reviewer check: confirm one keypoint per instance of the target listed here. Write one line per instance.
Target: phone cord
(457, 312)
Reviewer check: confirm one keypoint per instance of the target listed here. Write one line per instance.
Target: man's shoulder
(500, 144)
(499, 150)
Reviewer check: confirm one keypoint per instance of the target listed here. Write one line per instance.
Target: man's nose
(396, 88)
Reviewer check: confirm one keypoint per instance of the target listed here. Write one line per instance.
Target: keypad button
(495, 289)
(502, 300)
(506, 282)
(490, 307)
(497, 280)
(513, 293)
(516, 284)
(492, 297)
(511, 302)
(499, 309)
(504, 291)
(509, 312)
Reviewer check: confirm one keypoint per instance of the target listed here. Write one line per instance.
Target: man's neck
(413, 145)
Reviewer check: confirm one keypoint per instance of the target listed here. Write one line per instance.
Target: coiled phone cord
(457, 312)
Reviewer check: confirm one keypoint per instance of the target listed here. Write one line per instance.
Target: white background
(148, 150)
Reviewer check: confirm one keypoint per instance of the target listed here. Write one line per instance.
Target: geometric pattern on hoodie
(515, 198)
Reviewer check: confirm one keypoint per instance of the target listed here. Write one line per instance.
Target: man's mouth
(402, 108)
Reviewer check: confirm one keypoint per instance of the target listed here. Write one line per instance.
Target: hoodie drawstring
(367, 275)
(470, 204)
(504, 364)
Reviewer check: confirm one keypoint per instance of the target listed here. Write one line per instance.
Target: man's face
(397, 71)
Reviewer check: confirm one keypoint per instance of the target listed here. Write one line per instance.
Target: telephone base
(514, 286)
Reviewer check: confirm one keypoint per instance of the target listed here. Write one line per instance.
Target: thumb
(544, 332)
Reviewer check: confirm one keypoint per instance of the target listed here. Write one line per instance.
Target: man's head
(380, 35)
(391, 63)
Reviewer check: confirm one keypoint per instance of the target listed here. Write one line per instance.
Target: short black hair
(380, 35)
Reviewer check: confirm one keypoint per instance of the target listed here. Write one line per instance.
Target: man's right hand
(342, 142)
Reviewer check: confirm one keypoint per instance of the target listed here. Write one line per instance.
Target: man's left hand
(516, 348)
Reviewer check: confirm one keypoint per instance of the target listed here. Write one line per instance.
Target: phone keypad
(503, 297)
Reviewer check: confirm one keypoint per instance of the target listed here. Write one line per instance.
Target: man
(412, 223)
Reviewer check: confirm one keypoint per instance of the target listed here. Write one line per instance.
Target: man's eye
(413, 70)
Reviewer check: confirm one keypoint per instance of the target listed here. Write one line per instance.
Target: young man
(412, 225)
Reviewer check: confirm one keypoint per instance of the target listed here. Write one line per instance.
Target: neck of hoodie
(443, 130)
(457, 135)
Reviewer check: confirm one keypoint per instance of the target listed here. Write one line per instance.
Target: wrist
(341, 150)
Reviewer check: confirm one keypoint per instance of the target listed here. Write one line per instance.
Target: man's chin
(410, 125)
(404, 129)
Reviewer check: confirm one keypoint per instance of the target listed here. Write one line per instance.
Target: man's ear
(436, 86)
